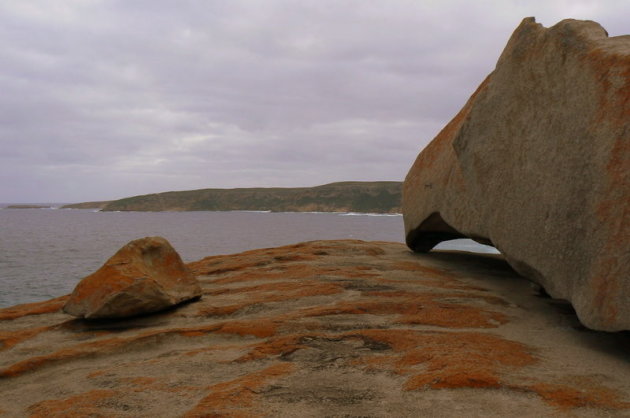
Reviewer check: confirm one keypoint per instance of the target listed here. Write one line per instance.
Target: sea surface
(45, 252)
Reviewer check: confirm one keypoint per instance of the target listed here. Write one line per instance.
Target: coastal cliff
(323, 328)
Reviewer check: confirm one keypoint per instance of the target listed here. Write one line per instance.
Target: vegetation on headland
(367, 197)
(87, 205)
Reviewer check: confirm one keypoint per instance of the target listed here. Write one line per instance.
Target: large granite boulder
(144, 276)
(537, 163)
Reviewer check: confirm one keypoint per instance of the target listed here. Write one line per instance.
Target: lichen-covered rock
(537, 163)
(343, 328)
(144, 276)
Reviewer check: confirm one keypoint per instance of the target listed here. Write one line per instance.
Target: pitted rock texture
(324, 328)
(537, 163)
(145, 276)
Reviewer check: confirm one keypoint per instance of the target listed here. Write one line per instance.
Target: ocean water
(45, 252)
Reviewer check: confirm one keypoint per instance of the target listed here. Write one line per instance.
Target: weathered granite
(325, 328)
(537, 163)
(146, 275)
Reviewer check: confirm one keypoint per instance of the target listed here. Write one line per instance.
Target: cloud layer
(107, 99)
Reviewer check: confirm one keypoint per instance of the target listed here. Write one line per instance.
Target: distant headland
(28, 206)
(348, 196)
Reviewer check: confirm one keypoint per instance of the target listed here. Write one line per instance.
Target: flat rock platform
(324, 328)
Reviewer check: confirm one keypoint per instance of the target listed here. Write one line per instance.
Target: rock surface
(537, 163)
(146, 275)
(325, 328)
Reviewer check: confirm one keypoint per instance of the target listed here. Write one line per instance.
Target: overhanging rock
(537, 163)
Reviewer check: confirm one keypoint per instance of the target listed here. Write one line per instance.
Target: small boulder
(146, 275)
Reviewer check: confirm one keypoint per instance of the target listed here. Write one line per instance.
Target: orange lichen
(103, 346)
(444, 139)
(566, 397)
(612, 70)
(267, 336)
(37, 308)
(449, 360)
(193, 333)
(307, 251)
(432, 276)
(294, 271)
(455, 379)
(214, 348)
(453, 316)
(273, 347)
(221, 310)
(614, 209)
(144, 383)
(260, 328)
(78, 351)
(10, 338)
(235, 398)
(221, 264)
(435, 360)
(291, 290)
(140, 381)
(614, 106)
(84, 404)
(272, 292)
(423, 270)
(96, 373)
(414, 308)
(418, 295)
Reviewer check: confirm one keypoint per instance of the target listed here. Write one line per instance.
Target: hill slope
(375, 197)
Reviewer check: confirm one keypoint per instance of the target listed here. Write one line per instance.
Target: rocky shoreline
(324, 328)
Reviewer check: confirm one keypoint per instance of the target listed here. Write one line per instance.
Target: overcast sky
(108, 99)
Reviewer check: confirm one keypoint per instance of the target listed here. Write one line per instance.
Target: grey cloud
(110, 99)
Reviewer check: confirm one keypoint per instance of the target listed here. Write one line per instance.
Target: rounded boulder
(145, 276)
